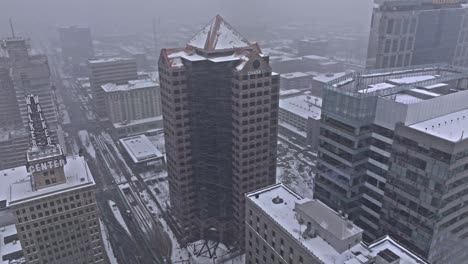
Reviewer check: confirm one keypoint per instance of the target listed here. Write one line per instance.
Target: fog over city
(135, 16)
(233, 132)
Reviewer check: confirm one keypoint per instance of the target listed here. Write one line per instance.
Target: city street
(147, 242)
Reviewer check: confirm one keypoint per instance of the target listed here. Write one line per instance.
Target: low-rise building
(295, 80)
(299, 117)
(282, 227)
(319, 81)
(142, 153)
(10, 247)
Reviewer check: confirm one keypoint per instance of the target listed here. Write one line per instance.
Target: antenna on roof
(12, 29)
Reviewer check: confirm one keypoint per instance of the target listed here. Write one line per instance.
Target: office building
(51, 197)
(282, 227)
(77, 46)
(366, 166)
(220, 108)
(21, 74)
(112, 70)
(416, 32)
(299, 118)
(295, 80)
(30, 74)
(135, 103)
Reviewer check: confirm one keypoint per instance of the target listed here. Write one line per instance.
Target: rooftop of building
(129, 86)
(16, 185)
(293, 75)
(140, 148)
(11, 246)
(109, 60)
(406, 85)
(217, 42)
(451, 127)
(407, 5)
(218, 35)
(284, 214)
(304, 105)
(327, 77)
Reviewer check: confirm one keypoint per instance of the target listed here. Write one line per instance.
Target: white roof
(452, 127)
(138, 122)
(324, 78)
(218, 35)
(424, 92)
(433, 86)
(405, 98)
(315, 57)
(412, 79)
(303, 105)
(9, 248)
(375, 87)
(292, 75)
(140, 148)
(105, 60)
(131, 85)
(16, 183)
(285, 216)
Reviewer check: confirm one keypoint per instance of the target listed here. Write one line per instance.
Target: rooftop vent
(82, 179)
(277, 200)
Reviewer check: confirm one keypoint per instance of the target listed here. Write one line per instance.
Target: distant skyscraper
(220, 109)
(76, 43)
(415, 32)
(52, 199)
(112, 70)
(21, 74)
(391, 155)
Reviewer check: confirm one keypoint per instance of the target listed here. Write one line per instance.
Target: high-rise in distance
(415, 32)
(220, 108)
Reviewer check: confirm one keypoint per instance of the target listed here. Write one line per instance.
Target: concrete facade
(113, 70)
(284, 228)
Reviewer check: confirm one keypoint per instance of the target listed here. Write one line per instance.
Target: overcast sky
(135, 16)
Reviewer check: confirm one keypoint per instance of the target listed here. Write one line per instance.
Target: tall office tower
(415, 32)
(76, 43)
(359, 151)
(30, 74)
(10, 116)
(21, 74)
(52, 199)
(220, 108)
(113, 70)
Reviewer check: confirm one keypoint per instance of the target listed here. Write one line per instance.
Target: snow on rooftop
(433, 86)
(306, 106)
(11, 247)
(284, 214)
(16, 183)
(412, 79)
(405, 98)
(424, 92)
(375, 87)
(324, 78)
(140, 148)
(292, 75)
(115, 59)
(130, 85)
(218, 35)
(452, 127)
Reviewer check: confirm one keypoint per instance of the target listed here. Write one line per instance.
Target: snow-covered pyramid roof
(218, 35)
